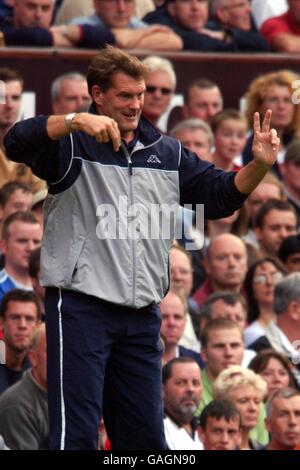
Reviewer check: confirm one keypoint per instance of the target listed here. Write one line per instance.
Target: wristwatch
(69, 121)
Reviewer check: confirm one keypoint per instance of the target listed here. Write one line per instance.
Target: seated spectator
(20, 315)
(269, 188)
(181, 394)
(30, 25)
(21, 234)
(235, 18)
(14, 196)
(230, 133)
(196, 135)
(9, 114)
(160, 87)
(275, 221)
(229, 305)
(275, 369)
(173, 315)
(283, 32)
(188, 20)
(259, 285)
(273, 91)
(289, 253)
(129, 32)
(290, 170)
(226, 266)
(246, 390)
(283, 419)
(23, 407)
(283, 336)
(220, 426)
(69, 93)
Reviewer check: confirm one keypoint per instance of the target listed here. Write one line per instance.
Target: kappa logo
(153, 159)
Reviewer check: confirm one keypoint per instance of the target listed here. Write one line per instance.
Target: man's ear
(3, 245)
(97, 95)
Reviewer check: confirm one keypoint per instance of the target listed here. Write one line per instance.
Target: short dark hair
(202, 83)
(271, 204)
(261, 360)
(19, 295)
(9, 188)
(111, 61)
(9, 75)
(168, 367)
(20, 216)
(228, 297)
(289, 246)
(218, 324)
(226, 114)
(219, 409)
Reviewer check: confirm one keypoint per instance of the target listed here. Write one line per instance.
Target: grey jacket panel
(80, 253)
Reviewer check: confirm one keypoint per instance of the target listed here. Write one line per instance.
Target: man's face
(235, 14)
(236, 312)
(247, 400)
(20, 200)
(73, 96)
(220, 434)
(115, 13)
(123, 102)
(284, 424)
(159, 91)
(23, 238)
(190, 14)
(278, 99)
(173, 319)
(195, 140)
(224, 348)
(203, 103)
(275, 375)
(261, 194)
(19, 323)
(230, 139)
(182, 392)
(10, 110)
(33, 13)
(292, 263)
(277, 225)
(227, 263)
(181, 272)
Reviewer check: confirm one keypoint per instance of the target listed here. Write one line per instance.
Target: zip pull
(130, 165)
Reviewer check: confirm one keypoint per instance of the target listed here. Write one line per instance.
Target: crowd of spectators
(231, 320)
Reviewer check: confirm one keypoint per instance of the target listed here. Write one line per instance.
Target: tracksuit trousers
(103, 360)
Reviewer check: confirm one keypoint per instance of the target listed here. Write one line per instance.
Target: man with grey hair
(235, 18)
(196, 135)
(284, 335)
(69, 93)
(160, 87)
(283, 419)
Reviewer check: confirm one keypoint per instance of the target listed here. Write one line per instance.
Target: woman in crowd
(259, 286)
(274, 368)
(246, 390)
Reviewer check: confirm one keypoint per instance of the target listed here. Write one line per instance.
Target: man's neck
(211, 376)
(186, 426)
(14, 360)
(232, 287)
(20, 275)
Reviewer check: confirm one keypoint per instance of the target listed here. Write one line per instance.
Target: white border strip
(62, 400)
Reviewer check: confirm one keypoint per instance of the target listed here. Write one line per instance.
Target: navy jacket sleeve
(27, 37)
(202, 183)
(249, 41)
(95, 36)
(193, 41)
(28, 142)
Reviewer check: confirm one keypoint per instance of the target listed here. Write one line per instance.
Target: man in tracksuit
(104, 272)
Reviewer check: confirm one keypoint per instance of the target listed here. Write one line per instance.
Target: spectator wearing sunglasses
(160, 87)
(259, 286)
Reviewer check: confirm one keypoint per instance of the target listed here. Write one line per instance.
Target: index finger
(115, 135)
(267, 121)
(256, 123)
